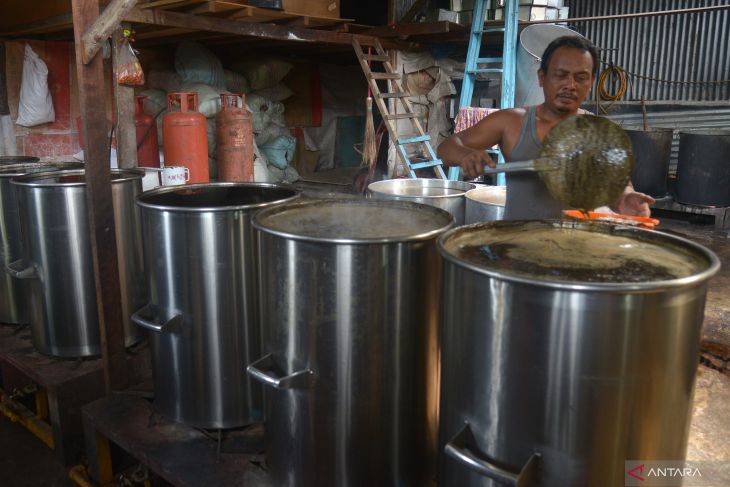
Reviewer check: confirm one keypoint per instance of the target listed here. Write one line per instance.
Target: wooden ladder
(395, 91)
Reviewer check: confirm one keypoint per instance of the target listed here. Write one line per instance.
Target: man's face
(568, 79)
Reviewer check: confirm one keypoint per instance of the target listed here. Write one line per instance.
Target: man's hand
(473, 163)
(633, 203)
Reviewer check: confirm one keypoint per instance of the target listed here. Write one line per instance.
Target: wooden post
(102, 27)
(124, 106)
(99, 201)
(4, 108)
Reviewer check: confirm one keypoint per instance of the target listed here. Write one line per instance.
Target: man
(567, 71)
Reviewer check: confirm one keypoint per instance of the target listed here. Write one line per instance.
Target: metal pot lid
(421, 188)
(488, 195)
(355, 221)
(595, 161)
(15, 170)
(216, 197)
(18, 159)
(579, 255)
(72, 177)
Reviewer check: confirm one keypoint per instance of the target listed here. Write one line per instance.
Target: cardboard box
(314, 8)
(440, 14)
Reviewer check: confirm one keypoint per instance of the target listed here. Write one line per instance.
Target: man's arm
(466, 149)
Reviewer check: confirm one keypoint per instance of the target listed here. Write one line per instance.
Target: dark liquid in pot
(590, 253)
(496, 256)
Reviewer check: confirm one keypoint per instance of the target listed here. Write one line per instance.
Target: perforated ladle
(585, 161)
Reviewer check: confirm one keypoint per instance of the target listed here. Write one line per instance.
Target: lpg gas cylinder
(185, 136)
(148, 151)
(234, 137)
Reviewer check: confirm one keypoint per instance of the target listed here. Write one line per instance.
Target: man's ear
(540, 76)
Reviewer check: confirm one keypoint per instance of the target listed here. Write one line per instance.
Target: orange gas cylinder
(185, 136)
(148, 152)
(234, 140)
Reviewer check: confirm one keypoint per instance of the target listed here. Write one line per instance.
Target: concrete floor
(26, 462)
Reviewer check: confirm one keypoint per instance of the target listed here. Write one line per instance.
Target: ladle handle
(512, 167)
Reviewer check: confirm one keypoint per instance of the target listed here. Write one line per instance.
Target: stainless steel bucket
(485, 204)
(557, 381)
(200, 256)
(441, 193)
(13, 299)
(57, 259)
(349, 312)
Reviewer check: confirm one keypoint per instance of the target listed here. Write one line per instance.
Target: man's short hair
(569, 41)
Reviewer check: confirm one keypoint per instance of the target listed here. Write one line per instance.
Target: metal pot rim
(658, 130)
(11, 160)
(29, 180)
(20, 169)
(140, 199)
(424, 236)
(635, 287)
(707, 132)
(470, 195)
(374, 187)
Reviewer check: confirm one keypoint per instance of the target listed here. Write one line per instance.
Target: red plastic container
(185, 138)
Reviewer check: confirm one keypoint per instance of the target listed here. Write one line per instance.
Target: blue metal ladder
(396, 92)
(508, 62)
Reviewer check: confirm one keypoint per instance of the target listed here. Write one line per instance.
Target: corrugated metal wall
(686, 47)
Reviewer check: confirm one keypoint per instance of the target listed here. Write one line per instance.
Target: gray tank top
(527, 196)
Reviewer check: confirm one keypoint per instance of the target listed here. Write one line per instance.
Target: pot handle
(263, 371)
(19, 270)
(145, 317)
(459, 449)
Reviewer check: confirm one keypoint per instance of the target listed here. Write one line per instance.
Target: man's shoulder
(510, 114)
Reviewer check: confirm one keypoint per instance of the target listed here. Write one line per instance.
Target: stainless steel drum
(57, 259)
(13, 300)
(485, 204)
(441, 193)
(567, 349)
(200, 256)
(349, 312)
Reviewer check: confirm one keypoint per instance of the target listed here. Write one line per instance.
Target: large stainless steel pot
(444, 194)
(485, 204)
(200, 256)
(703, 168)
(57, 259)
(349, 313)
(13, 299)
(556, 381)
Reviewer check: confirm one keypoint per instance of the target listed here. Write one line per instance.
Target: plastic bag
(280, 151)
(196, 64)
(36, 105)
(129, 71)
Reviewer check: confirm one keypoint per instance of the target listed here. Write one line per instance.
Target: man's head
(567, 71)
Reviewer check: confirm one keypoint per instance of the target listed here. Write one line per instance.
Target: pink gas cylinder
(234, 140)
(148, 151)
